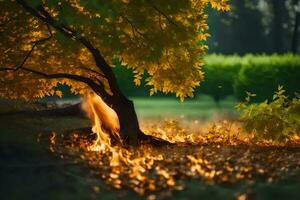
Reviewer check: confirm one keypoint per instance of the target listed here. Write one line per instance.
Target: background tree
(74, 42)
(240, 31)
(279, 15)
(296, 32)
(256, 26)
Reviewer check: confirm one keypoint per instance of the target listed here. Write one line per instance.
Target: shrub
(276, 120)
(220, 72)
(262, 74)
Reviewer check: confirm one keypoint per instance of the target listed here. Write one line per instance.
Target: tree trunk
(130, 131)
(295, 38)
(129, 126)
(278, 32)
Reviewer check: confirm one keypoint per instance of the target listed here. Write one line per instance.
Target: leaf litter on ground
(220, 155)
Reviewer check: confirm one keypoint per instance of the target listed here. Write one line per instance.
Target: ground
(32, 167)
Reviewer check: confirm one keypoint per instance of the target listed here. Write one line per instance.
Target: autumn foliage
(164, 39)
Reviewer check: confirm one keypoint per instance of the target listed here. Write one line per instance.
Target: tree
(239, 32)
(278, 32)
(295, 36)
(256, 26)
(73, 42)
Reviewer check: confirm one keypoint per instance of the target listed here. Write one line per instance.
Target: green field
(201, 108)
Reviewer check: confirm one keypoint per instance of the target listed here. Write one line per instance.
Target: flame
(121, 160)
(105, 121)
(214, 156)
(137, 163)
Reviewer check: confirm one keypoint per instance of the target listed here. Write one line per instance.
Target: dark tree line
(257, 26)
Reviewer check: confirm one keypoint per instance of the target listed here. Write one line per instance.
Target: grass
(201, 108)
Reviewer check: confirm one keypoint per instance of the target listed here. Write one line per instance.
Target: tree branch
(162, 13)
(92, 71)
(134, 29)
(94, 74)
(96, 87)
(44, 16)
(35, 43)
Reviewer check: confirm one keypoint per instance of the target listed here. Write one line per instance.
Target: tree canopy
(48, 42)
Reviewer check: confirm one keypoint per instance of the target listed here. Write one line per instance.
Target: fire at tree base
(220, 155)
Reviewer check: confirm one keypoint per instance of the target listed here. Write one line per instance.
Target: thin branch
(41, 14)
(134, 29)
(6, 69)
(35, 43)
(94, 74)
(132, 26)
(44, 16)
(26, 57)
(97, 79)
(162, 13)
(92, 71)
(96, 87)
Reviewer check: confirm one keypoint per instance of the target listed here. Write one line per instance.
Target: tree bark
(130, 130)
(295, 37)
(278, 32)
